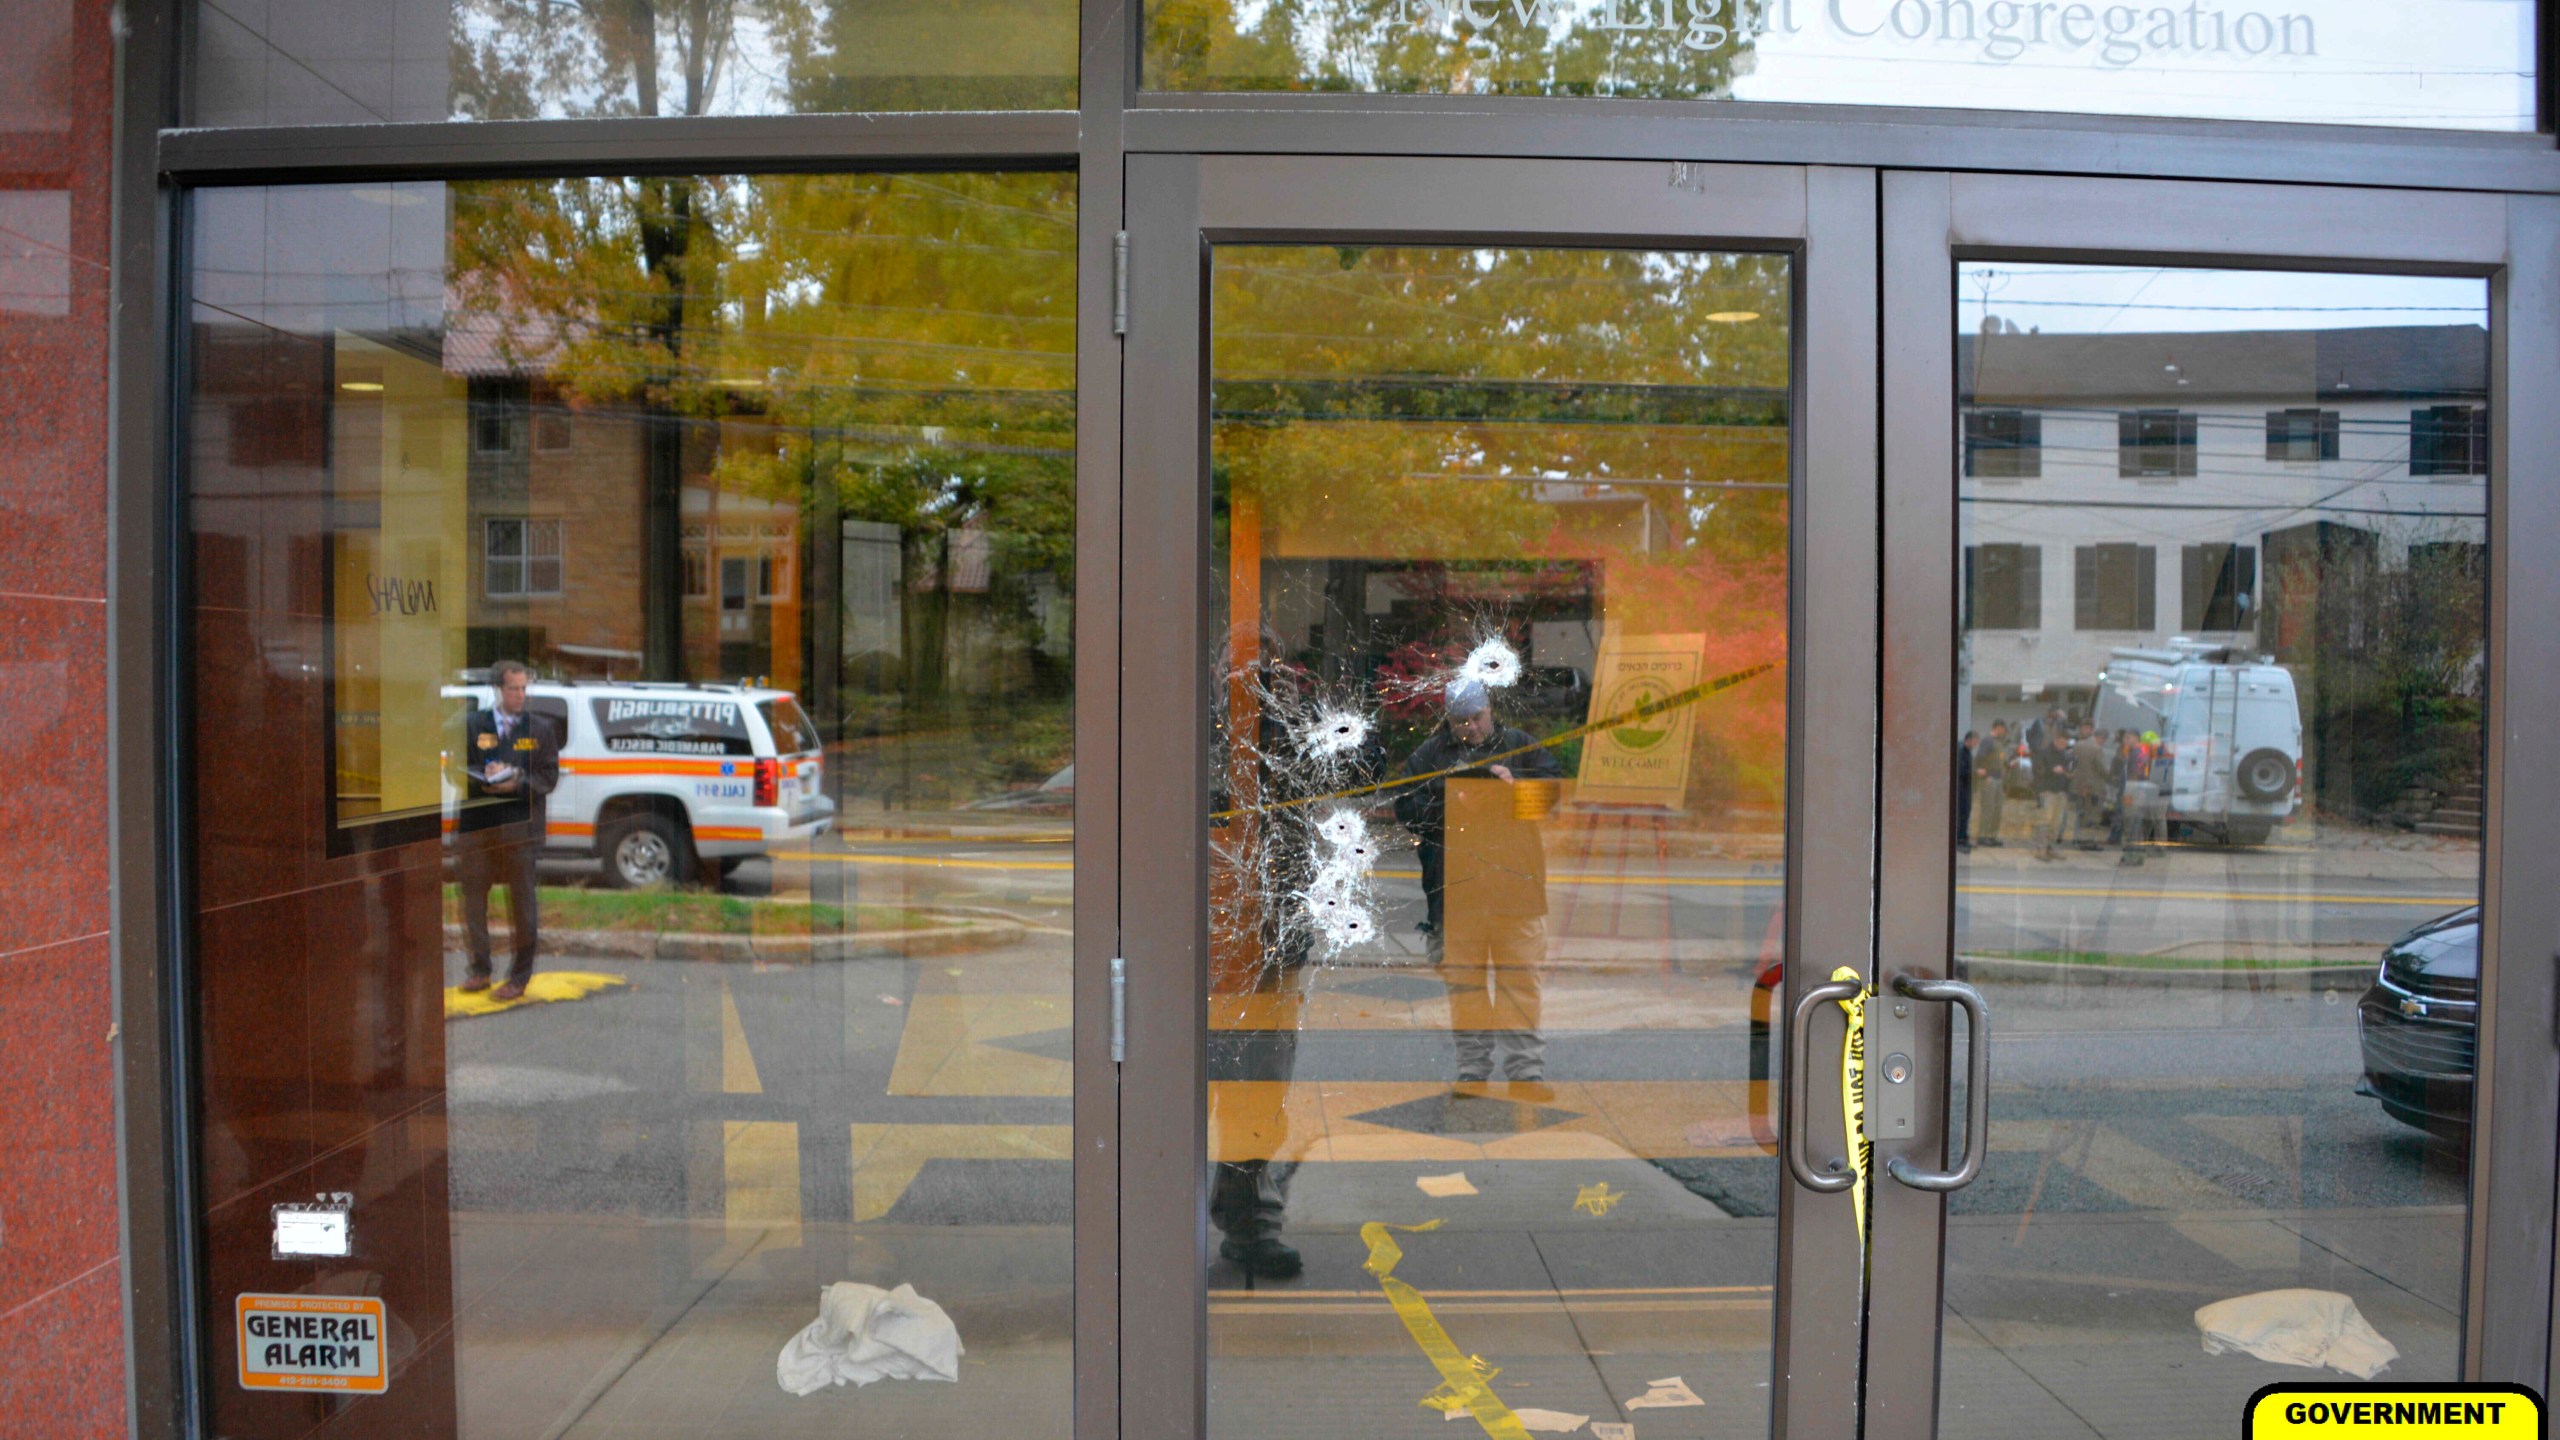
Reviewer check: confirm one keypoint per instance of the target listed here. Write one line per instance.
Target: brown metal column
(1831, 779)
(1914, 868)
(1164, 789)
(1106, 72)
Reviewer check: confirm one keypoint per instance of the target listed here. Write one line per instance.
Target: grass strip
(693, 912)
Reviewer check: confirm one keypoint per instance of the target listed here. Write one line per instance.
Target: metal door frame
(1931, 221)
(1179, 205)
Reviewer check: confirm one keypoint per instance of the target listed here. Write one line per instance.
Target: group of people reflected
(2078, 787)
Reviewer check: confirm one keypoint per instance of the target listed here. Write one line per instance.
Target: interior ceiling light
(367, 386)
(1732, 317)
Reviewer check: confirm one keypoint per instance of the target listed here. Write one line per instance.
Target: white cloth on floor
(2297, 1327)
(864, 1333)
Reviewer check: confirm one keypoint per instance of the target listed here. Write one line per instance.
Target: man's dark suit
(498, 834)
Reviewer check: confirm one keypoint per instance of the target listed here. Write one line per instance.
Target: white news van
(657, 779)
(2230, 731)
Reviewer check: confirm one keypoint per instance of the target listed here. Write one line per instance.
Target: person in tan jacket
(1492, 909)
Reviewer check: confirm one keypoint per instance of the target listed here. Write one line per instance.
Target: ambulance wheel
(643, 850)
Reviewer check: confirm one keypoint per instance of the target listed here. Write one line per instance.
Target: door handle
(1977, 1093)
(1799, 1025)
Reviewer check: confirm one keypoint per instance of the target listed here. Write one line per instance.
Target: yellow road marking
(888, 1158)
(2241, 896)
(1506, 1307)
(549, 987)
(1606, 1120)
(760, 1173)
(2116, 1163)
(948, 1046)
(1709, 882)
(1261, 1295)
(737, 1062)
(933, 861)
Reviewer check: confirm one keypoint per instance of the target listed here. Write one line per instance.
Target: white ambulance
(663, 782)
(2230, 727)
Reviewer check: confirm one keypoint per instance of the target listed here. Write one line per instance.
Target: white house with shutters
(2119, 489)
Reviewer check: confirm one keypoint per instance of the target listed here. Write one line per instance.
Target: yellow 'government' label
(2393, 1412)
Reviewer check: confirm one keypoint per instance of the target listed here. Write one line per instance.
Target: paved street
(681, 1162)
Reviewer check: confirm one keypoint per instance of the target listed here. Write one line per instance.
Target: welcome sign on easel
(1644, 760)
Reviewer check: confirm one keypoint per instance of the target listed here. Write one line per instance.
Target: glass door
(1499, 695)
(2194, 588)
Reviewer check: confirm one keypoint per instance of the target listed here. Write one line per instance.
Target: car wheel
(643, 850)
(2247, 832)
(2265, 774)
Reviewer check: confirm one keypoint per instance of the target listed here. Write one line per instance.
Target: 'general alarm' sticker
(312, 1342)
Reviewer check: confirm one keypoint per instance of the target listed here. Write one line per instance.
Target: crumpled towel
(2297, 1327)
(864, 1333)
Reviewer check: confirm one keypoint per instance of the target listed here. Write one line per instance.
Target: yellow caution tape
(1466, 1381)
(548, 988)
(1646, 711)
(1853, 1099)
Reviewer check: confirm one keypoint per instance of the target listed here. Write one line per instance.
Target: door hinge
(1119, 1009)
(1120, 282)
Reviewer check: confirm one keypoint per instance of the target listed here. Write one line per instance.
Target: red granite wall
(61, 1313)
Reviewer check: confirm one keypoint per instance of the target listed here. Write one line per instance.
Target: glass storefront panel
(2220, 696)
(767, 484)
(353, 62)
(2457, 64)
(1497, 837)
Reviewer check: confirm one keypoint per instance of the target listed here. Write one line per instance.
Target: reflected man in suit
(511, 764)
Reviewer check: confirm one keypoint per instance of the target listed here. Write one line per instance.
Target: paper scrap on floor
(1668, 1393)
(1441, 1187)
(864, 1333)
(2297, 1327)
(1611, 1430)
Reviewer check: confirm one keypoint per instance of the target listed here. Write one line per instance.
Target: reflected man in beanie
(1485, 879)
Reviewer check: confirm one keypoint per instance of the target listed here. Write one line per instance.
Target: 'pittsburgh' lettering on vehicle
(712, 710)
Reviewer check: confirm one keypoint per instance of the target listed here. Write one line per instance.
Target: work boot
(1263, 1259)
